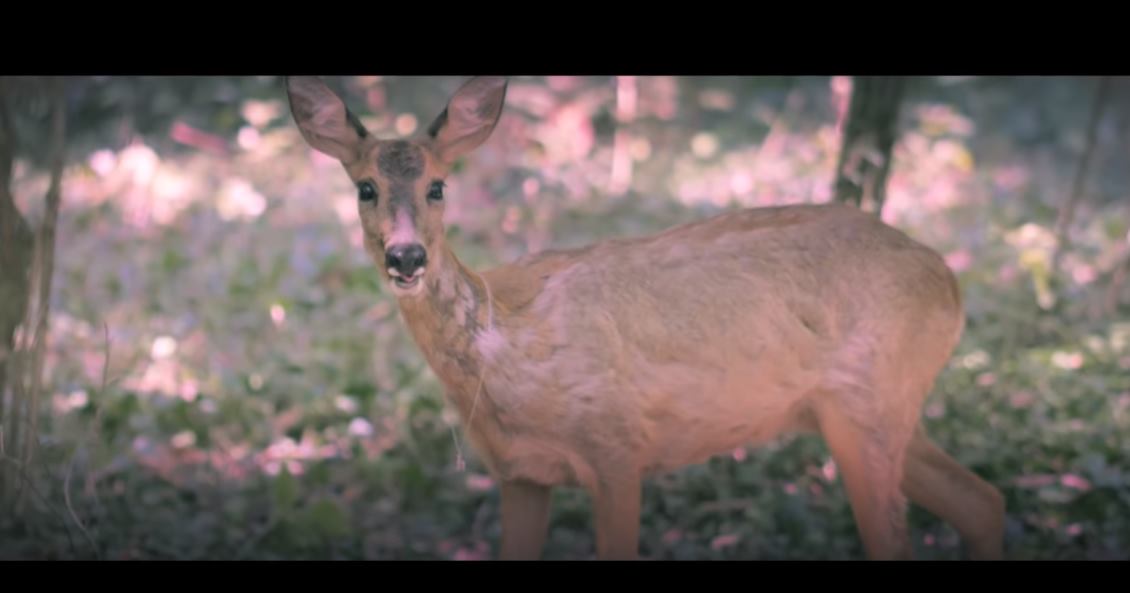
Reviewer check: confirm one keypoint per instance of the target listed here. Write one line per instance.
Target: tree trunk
(868, 140)
(16, 251)
(28, 265)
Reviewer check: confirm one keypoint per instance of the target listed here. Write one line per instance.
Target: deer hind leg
(871, 463)
(938, 483)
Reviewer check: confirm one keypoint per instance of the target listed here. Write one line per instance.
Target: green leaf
(286, 491)
(327, 518)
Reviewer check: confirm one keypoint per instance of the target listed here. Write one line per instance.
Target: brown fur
(604, 365)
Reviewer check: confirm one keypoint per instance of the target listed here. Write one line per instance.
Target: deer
(602, 366)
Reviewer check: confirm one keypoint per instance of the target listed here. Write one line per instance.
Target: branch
(90, 431)
(1067, 213)
(26, 479)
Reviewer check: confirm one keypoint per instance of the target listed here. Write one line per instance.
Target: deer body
(649, 350)
(598, 367)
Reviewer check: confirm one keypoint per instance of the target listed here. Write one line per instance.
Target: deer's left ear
(470, 117)
(322, 117)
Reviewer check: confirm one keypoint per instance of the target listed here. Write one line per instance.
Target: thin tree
(869, 137)
(16, 252)
(27, 312)
(1067, 211)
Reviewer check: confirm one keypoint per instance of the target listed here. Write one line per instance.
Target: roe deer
(598, 367)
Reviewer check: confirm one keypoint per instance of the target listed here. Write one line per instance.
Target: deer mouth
(406, 283)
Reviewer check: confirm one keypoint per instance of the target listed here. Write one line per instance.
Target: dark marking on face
(400, 199)
(401, 161)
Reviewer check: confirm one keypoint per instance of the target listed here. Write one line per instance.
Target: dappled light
(259, 395)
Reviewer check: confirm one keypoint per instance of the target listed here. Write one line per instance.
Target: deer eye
(435, 191)
(366, 192)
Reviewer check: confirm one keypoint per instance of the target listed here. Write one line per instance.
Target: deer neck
(445, 320)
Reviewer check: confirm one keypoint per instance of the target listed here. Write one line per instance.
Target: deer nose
(406, 260)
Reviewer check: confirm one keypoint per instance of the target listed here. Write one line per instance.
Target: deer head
(400, 182)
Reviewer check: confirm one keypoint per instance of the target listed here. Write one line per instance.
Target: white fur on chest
(490, 343)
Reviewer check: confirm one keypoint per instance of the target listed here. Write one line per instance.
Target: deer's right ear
(322, 117)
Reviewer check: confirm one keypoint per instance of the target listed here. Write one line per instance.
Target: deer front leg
(616, 510)
(525, 519)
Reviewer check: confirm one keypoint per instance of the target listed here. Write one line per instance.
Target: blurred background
(218, 372)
